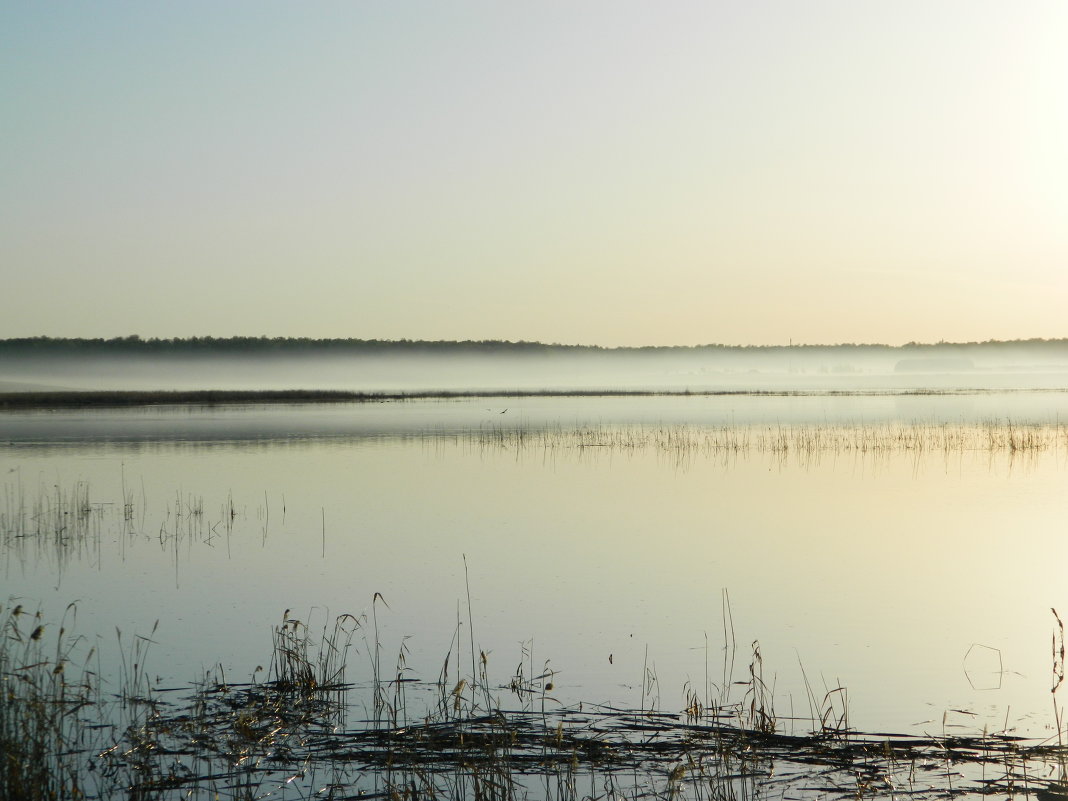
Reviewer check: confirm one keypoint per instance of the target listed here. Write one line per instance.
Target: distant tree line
(134, 345)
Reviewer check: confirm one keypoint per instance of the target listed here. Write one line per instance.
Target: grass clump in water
(42, 733)
(291, 735)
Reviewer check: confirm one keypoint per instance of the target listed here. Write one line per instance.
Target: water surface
(919, 580)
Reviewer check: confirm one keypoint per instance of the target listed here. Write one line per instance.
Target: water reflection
(871, 557)
(462, 416)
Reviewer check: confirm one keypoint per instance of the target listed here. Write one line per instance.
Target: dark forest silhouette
(135, 345)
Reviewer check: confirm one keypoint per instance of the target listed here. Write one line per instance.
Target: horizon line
(137, 341)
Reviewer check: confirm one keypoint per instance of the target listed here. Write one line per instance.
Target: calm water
(920, 581)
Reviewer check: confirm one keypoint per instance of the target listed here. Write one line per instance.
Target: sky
(608, 172)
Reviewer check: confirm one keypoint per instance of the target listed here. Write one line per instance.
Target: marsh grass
(68, 520)
(805, 443)
(297, 666)
(43, 698)
(297, 725)
(293, 734)
(58, 523)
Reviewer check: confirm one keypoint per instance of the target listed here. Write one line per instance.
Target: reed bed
(57, 524)
(298, 734)
(43, 700)
(61, 515)
(802, 440)
(65, 522)
(312, 726)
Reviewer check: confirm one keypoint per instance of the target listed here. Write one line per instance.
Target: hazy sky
(610, 172)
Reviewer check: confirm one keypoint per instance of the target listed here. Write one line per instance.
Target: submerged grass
(297, 734)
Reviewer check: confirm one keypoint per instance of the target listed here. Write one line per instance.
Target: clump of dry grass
(300, 664)
(43, 696)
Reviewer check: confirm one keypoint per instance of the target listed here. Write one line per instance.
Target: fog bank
(505, 367)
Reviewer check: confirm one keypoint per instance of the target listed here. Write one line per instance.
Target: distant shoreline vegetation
(83, 399)
(228, 346)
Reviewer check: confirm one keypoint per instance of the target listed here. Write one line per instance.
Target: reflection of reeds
(57, 522)
(58, 514)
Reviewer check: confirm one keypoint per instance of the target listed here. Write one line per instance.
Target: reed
(57, 522)
(44, 697)
(299, 665)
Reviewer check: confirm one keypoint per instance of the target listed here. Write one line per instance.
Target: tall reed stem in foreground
(41, 732)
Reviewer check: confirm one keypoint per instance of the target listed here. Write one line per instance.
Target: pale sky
(611, 172)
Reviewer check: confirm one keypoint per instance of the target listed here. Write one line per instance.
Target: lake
(906, 548)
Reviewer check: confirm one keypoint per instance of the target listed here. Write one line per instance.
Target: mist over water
(840, 369)
(885, 520)
(430, 419)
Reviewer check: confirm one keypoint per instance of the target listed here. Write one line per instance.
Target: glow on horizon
(613, 173)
